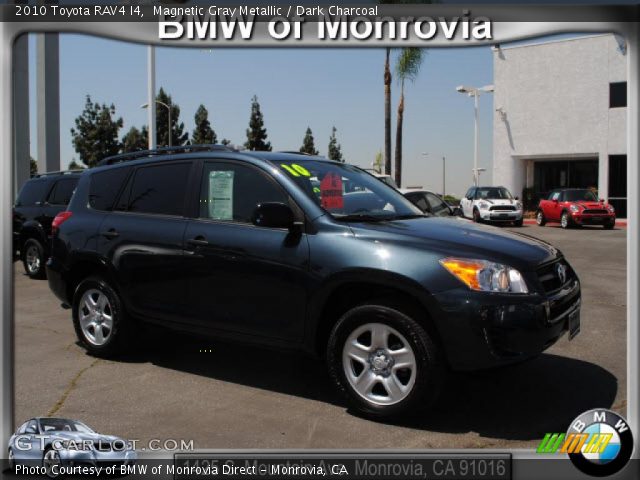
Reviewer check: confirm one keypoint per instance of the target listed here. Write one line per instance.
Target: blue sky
(296, 88)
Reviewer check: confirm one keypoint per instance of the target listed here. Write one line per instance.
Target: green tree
(334, 150)
(256, 133)
(178, 135)
(225, 141)
(135, 140)
(377, 163)
(308, 145)
(407, 68)
(33, 166)
(96, 133)
(203, 133)
(75, 165)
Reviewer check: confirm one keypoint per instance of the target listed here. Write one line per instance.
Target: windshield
(347, 192)
(63, 425)
(580, 196)
(493, 193)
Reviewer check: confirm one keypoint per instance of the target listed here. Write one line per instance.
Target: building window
(618, 184)
(617, 94)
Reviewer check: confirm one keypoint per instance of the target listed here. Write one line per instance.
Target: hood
(591, 204)
(81, 436)
(462, 238)
(499, 201)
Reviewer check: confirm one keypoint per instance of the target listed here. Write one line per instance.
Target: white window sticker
(221, 194)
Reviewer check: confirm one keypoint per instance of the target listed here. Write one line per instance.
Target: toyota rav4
(298, 252)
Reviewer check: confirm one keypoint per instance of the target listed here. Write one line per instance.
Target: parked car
(383, 177)
(492, 204)
(242, 246)
(575, 207)
(40, 199)
(49, 442)
(430, 202)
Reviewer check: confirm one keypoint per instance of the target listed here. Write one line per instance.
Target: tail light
(59, 220)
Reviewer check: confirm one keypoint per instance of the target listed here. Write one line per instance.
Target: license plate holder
(573, 323)
(596, 219)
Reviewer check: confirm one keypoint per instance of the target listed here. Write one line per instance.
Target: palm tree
(407, 68)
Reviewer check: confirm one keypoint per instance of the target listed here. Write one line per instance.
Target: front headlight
(483, 205)
(574, 208)
(485, 276)
(611, 209)
(518, 205)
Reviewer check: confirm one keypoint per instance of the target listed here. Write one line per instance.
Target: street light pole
(168, 107)
(475, 93)
(151, 95)
(443, 176)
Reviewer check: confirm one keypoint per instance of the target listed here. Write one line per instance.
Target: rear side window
(32, 192)
(159, 189)
(62, 191)
(105, 187)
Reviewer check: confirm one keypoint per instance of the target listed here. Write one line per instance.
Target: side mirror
(455, 211)
(517, 198)
(273, 215)
(602, 200)
(555, 200)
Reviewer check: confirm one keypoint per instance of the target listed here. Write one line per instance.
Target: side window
(62, 191)
(159, 189)
(231, 192)
(33, 191)
(438, 207)
(104, 187)
(419, 200)
(555, 196)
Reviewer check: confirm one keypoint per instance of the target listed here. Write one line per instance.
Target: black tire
(429, 364)
(33, 258)
(121, 333)
(609, 225)
(11, 460)
(519, 223)
(565, 220)
(540, 218)
(476, 216)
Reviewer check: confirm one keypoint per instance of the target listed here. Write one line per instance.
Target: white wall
(555, 98)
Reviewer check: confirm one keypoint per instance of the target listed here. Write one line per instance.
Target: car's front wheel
(33, 258)
(565, 220)
(101, 324)
(540, 220)
(12, 460)
(384, 362)
(609, 225)
(51, 462)
(476, 216)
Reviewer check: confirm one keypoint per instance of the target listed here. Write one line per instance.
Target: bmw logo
(607, 442)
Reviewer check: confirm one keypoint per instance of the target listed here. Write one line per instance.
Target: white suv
(491, 204)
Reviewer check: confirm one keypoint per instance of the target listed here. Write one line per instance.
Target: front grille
(509, 208)
(549, 278)
(595, 212)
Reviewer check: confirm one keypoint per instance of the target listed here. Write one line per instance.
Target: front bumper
(481, 330)
(593, 219)
(500, 215)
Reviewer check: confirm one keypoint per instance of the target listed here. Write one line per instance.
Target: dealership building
(560, 117)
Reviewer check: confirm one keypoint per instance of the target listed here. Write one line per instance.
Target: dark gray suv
(298, 252)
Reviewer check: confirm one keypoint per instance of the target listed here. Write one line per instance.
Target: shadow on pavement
(518, 402)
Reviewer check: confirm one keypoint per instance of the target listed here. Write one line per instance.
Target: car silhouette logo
(561, 271)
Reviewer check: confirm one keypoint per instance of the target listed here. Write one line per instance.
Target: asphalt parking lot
(244, 397)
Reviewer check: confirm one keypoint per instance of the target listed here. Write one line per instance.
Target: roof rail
(59, 172)
(295, 152)
(124, 157)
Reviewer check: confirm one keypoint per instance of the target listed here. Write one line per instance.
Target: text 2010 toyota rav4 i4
(300, 252)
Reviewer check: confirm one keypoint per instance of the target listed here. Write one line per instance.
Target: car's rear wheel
(33, 258)
(540, 220)
(565, 220)
(384, 362)
(101, 324)
(50, 460)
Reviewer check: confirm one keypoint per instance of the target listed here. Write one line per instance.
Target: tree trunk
(387, 115)
(399, 139)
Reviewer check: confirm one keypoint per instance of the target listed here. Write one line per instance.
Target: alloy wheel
(96, 317)
(51, 459)
(32, 259)
(379, 364)
(539, 218)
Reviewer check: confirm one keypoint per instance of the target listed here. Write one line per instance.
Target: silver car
(46, 442)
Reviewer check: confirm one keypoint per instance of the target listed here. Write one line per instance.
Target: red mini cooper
(573, 207)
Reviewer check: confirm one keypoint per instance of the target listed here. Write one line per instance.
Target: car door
(143, 239)
(437, 206)
(243, 278)
(554, 205)
(467, 203)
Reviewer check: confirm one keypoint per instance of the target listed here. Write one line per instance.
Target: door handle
(111, 233)
(198, 241)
